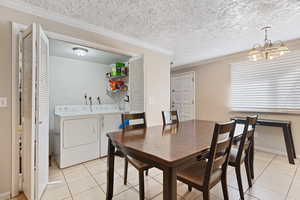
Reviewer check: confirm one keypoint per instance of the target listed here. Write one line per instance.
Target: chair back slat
(219, 161)
(225, 128)
(170, 117)
(250, 133)
(220, 148)
(134, 117)
(252, 120)
(247, 137)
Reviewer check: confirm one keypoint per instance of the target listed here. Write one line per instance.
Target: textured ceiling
(65, 49)
(193, 29)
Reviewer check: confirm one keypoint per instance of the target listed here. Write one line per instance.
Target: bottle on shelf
(119, 66)
(113, 70)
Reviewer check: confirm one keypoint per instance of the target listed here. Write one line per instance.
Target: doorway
(32, 111)
(183, 95)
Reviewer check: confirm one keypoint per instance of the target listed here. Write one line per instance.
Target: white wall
(70, 79)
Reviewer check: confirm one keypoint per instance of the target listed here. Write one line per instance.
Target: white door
(35, 54)
(183, 95)
(136, 84)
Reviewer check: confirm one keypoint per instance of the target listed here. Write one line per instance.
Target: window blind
(268, 85)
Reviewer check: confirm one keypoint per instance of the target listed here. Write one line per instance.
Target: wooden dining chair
(241, 154)
(139, 165)
(170, 117)
(206, 173)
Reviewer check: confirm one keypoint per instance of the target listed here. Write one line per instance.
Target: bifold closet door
(35, 62)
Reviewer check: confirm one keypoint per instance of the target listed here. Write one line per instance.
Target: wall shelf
(115, 78)
(116, 92)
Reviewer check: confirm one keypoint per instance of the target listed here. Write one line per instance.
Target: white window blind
(267, 86)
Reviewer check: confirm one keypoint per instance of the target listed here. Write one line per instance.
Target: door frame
(174, 74)
(16, 28)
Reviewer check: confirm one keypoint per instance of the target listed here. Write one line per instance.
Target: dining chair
(241, 154)
(140, 122)
(210, 170)
(170, 117)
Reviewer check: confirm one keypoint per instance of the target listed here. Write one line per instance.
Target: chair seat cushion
(196, 174)
(138, 164)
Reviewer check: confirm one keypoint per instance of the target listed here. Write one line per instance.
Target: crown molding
(231, 56)
(293, 44)
(43, 13)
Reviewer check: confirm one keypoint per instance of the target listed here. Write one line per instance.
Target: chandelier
(269, 50)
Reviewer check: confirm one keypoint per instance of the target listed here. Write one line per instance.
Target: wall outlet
(3, 102)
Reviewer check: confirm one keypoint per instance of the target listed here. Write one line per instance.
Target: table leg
(292, 141)
(288, 144)
(110, 170)
(169, 184)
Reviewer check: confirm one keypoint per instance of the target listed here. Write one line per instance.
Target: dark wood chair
(139, 165)
(170, 117)
(241, 154)
(210, 170)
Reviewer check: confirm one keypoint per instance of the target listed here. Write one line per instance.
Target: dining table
(168, 148)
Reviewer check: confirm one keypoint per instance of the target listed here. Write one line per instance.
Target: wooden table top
(170, 145)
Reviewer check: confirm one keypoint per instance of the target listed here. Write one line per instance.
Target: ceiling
(65, 49)
(193, 30)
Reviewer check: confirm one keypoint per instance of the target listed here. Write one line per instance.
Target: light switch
(3, 102)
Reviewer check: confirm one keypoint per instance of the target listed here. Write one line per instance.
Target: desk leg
(251, 159)
(288, 144)
(110, 170)
(169, 184)
(292, 141)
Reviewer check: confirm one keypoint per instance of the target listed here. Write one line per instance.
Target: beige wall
(213, 100)
(157, 70)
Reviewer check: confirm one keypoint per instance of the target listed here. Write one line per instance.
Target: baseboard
(268, 150)
(5, 196)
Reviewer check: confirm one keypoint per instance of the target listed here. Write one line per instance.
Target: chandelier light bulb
(268, 50)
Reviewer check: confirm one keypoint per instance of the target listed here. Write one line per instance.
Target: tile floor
(275, 179)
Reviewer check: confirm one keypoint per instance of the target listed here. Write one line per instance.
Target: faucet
(91, 104)
(99, 100)
(85, 98)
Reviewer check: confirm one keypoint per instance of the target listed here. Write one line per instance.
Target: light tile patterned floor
(275, 179)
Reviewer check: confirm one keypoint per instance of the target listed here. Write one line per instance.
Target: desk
(287, 133)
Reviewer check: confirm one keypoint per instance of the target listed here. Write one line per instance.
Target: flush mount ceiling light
(80, 51)
(269, 50)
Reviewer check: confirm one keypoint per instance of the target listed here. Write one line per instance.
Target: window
(267, 86)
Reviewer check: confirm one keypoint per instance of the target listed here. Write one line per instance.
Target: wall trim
(210, 60)
(5, 196)
(43, 13)
(268, 150)
(292, 44)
